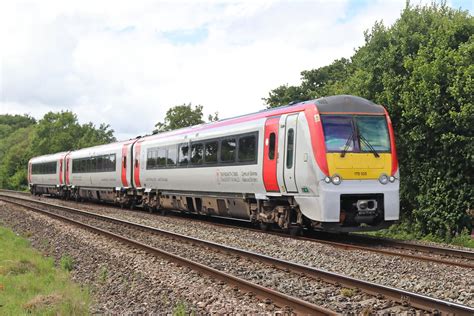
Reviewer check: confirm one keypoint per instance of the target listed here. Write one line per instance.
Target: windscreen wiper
(346, 146)
(372, 149)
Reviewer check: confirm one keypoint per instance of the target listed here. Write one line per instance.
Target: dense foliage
(181, 116)
(21, 138)
(421, 69)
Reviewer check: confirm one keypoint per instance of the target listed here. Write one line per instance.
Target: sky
(125, 63)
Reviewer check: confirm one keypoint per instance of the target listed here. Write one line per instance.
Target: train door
(124, 165)
(68, 164)
(61, 170)
(290, 153)
(270, 154)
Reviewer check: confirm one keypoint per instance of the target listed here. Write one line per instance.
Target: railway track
(404, 298)
(366, 243)
(429, 253)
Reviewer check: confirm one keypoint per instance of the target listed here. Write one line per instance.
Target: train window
(338, 133)
(93, 164)
(100, 163)
(112, 162)
(210, 152)
(105, 163)
(290, 144)
(247, 148)
(44, 168)
(271, 146)
(183, 154)
(150, 161)
(74, 168)
(228, 147)
(171, 159)
(196, 154)
(161, 158)
(90, 166)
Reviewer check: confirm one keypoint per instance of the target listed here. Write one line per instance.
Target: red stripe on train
(136, 172)
(392, 144)
(124, 165)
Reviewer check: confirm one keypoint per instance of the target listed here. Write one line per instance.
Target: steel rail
(282, 300)
(464, 254)
(401, 296)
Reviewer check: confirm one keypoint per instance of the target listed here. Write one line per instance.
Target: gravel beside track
(450, 283)
(126, 280)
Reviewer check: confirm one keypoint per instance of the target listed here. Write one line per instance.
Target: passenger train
(326, 164)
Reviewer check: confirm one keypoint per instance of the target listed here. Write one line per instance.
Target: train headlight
(336, 179)
(383, 178)
(327, 180)
(391, 179)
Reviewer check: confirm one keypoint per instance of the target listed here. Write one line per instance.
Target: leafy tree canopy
(10, 123)
(421, 69)
(182, 116)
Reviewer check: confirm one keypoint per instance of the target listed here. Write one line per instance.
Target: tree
(57, 132)
(314, 84)
(421, 69)
(10, 123)
(182, 116)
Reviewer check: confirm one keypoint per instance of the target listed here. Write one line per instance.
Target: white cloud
(123, 63)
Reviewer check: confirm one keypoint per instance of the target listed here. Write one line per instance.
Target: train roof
(347, 104)
(48, 158)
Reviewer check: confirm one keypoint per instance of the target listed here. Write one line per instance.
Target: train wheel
(163, 212)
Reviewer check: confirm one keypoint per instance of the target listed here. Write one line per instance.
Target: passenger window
(247, 148)
(93, 164)
(228, 147)
(290, 148)
(100, 163)
(183, 154)
(112, 162)
(210, 152)
(196, 154)
(161, 157)
(271, 146)
(172, 153)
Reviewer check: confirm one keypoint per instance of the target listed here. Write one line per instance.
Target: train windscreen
(355, 133)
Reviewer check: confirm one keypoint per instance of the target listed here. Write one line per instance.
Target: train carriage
(326, 164)
(101, 172)
(46, 174)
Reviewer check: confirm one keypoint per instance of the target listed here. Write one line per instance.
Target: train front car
(358, 168)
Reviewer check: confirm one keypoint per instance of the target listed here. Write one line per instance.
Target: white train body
(279, 166)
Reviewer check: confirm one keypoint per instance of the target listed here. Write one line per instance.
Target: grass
(30, 284)
(347, 292)
(67, 263)
(181, 309)
(403, 231)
